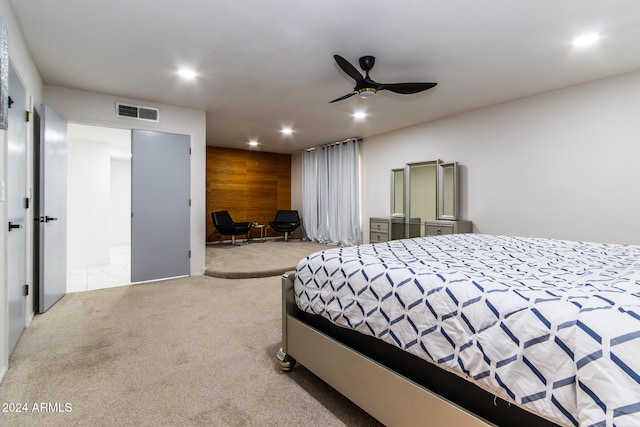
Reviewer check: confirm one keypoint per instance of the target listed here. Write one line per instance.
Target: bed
(472, 329)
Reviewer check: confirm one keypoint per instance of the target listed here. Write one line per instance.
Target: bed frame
(393, 386)
(388, 396)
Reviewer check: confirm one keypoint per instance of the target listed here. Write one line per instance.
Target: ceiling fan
(366, 87)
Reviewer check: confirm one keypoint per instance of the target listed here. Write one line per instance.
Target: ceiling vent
(137, 112)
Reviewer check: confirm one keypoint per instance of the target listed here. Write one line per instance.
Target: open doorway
(99, 207)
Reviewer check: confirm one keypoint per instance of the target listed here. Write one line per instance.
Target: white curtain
(330, 193)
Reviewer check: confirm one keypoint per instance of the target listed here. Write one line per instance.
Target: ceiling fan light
(367, 92)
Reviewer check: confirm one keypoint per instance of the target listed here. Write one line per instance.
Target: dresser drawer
(435, 230)
(374, 237)
(379, 226)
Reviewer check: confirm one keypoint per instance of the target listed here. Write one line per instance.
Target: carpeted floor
(196, 351)
(257, 259)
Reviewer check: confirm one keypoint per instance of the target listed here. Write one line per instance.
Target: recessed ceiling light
(253, 143)
(187, 73)
(359, 115)
(586, 40)
(286, 131)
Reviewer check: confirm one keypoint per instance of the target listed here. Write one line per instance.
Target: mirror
(422, 201)
(397, 192)
(424, 191)
(448, 191)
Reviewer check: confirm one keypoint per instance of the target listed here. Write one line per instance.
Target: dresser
(443, 226)
(385, 229)
(378, 230)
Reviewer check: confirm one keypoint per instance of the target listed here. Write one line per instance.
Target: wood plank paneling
(251, 185)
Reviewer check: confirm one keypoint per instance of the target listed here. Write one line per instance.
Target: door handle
(13, 226)
(47, 218)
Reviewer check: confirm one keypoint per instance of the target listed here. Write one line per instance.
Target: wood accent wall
(251, 185)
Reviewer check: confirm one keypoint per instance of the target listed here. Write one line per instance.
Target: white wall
(98, 109)
(88, 182)
(562, 164)
(120, 218)
(98, 193)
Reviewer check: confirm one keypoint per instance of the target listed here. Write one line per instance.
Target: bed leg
(288, 306)
(286, 362)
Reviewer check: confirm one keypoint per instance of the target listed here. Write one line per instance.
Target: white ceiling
(266, 64)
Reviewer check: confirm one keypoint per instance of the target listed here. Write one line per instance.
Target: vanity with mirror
(424, 202)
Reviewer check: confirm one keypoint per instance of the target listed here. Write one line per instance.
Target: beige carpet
(196, 351)
(257, 259)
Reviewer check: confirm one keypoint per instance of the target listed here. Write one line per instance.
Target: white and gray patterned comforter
(553, 326)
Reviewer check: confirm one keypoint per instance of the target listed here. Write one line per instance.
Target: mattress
(550, 325)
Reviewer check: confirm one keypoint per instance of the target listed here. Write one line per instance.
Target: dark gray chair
(228, 227)
(285, 222)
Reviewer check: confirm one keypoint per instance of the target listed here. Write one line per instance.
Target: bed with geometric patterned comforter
(552, 326)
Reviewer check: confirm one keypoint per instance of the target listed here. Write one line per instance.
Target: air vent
(137, 112)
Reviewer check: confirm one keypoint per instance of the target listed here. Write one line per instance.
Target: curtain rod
(357, 138)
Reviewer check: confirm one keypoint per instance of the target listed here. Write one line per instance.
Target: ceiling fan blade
(406, 88)
(348, 68)
(344, 97)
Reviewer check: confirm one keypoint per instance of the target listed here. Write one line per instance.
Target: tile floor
(117, 273)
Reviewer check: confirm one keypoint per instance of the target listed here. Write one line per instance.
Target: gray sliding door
(160, 199)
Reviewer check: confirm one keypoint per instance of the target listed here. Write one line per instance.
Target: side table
(263, 231)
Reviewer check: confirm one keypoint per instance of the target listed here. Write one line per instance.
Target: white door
(16, 207)
(53, 209)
